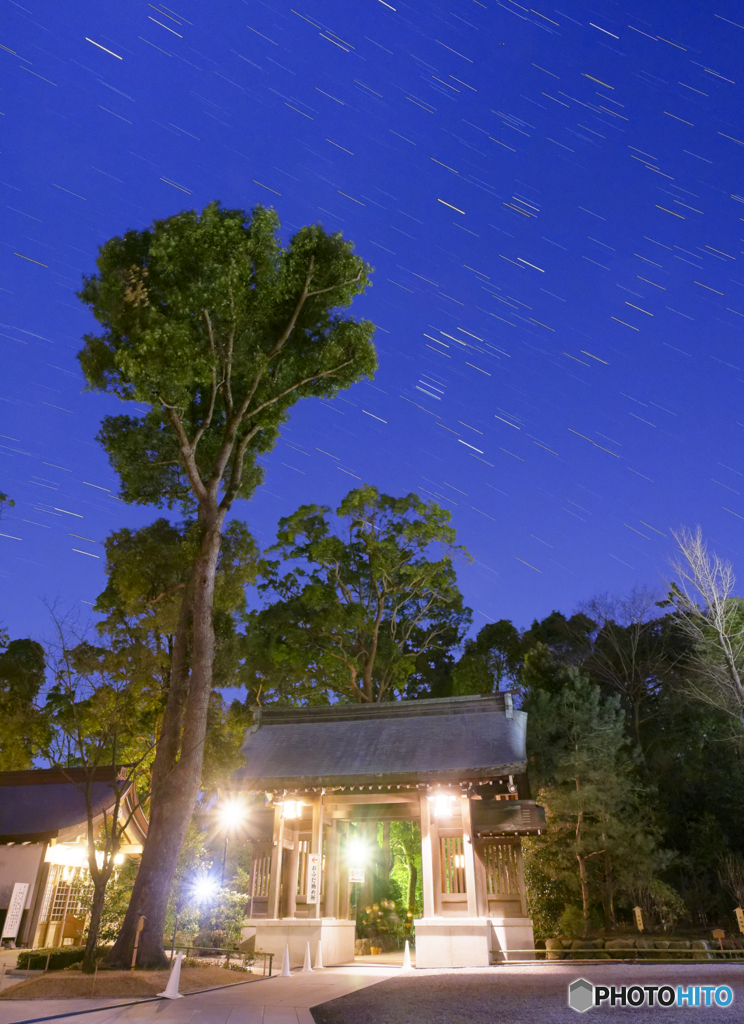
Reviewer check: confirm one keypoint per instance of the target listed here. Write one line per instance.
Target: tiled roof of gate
(453, 739)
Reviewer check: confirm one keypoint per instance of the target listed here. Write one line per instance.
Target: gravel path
(525, 995)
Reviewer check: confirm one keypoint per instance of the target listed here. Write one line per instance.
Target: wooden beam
(427, 855)
(469, 855)
(275, 879)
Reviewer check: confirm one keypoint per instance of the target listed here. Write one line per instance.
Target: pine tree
(599, 833)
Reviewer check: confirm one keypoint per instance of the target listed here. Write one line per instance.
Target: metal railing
(217, 952)
(693, 955)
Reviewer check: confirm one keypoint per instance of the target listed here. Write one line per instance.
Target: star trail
(552, 202)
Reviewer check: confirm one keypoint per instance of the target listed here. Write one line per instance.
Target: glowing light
(292, 809)
(232, 813)
(204, 889)
(73, 855)
(119, 858)
(443, 805)
(357, 852)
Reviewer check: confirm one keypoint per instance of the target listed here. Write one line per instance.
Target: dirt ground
(119, 984)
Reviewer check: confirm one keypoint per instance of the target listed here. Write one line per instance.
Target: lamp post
(231, 813)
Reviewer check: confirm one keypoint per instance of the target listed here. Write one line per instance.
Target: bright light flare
(204, 889)
(357, 852)
(443, 805)
(292, 808)
(232, 813)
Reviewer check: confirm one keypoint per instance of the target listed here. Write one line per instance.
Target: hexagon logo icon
(580, 995)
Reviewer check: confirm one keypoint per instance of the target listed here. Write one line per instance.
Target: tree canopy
(359, 599)
(218, 329)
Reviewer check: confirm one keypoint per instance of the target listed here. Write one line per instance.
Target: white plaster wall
(272, 936)
(472, 942)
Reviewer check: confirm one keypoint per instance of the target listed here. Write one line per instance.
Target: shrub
(571, 923)
(59, 958)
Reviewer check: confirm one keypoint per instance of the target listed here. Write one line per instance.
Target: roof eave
(383, 779)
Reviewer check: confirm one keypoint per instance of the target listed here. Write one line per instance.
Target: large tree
(360, 599)
(217, 329)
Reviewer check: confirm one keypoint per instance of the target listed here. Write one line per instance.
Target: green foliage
(60, 958)
(357, 606)
(600, 837)
(24, 732)
(494, 657)
(662, 905)
(571, 921)
(218, 329)
(547, 896)
(147, 572)
(225, 916)
(184, 912)
(116, 901)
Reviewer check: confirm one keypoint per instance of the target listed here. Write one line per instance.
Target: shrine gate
(457, 766)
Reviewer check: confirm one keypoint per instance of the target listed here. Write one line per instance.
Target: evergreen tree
(599, 836)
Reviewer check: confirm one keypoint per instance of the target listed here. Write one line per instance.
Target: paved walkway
(270, 1001)
(525, 994)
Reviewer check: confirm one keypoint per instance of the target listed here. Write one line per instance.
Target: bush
(59, 958)
(571, 923)
(209, 942)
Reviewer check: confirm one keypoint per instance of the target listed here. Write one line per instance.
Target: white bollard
(319, 958)
(308, 965)
(171, 989)
(407, 958)
(286, 973)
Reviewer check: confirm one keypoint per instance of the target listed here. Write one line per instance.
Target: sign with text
(638, 918)
(313, 878)
(740, 918)
(15, 911)
(356, 875)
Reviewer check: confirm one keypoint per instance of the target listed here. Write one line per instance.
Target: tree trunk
(607, 900)
(584, 894)
(177, 774)
(96, 910)
(412, 883)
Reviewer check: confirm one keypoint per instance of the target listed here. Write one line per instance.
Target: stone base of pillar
(472, 941)
(273, 935)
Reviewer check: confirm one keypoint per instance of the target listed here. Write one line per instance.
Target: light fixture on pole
(232, 813)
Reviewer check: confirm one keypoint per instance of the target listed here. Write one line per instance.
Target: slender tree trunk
(96, 910)
(412, 883)
(177, 775)
(584, 894)
(607, 901)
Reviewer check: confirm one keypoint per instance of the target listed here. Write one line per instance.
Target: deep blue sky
(552, 200)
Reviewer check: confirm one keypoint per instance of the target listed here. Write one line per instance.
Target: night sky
(553, 204)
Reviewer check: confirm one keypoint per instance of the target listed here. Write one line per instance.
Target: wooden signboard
(638, 918)
(15, 910)
(740, 918)
(313, 878)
